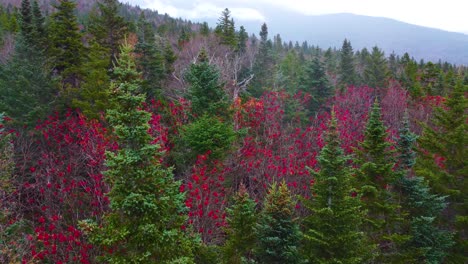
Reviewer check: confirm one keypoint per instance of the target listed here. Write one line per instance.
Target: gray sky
(442, 14)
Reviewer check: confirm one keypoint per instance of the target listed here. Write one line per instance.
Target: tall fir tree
(206, 91)
(26, 21)
(443, 162)
(226, 30)
(151, 58)
(263, 65)
(109, 28)
(375, 178)
(66, 49)
(278, 235)
(428, 242)
(376, 71)
(40, 33)
(332, 232)
(346, 70)
(241, 219)
(315, 82)
(147, 211)
(243, 37)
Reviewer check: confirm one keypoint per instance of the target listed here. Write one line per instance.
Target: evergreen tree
(147, 209)
(93, 96)
(428, 243)
(226, 30)
(375, 179)
(332, 232)
(443, 162)
(206, 92)
(315, 82)
(205, 29)
(278, 236)
(109, 28)
(40, 35)
(66, 49)
(243, 37)
(241, 219)
(263, 65)
(150, 59)
(376, 72)
(26, 21)
(347, 72)
(27, 92)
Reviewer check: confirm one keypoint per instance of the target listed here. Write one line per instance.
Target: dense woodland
(127, 136)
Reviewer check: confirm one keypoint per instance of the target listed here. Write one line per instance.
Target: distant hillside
(365, 31)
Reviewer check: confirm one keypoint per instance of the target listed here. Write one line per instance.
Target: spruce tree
(278, 235)
(147, 211)
(151, 58)
(66, 49)
(428, 242)
(109, 28)
(241, 219)
(243, 38)
(263, 65)
(375, 179)
(206, 91)
(346, 72)
(26, 21)
(225, 29)
(40, 35)
(376, 71)
(332, 232)
(442, 161)
(315, 82)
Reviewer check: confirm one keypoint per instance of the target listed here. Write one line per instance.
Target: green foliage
(225, 29)
(263, 65)
(66, 50)
(375, 178)
(205, 29)
(26, 21)
(315, 82)
(109, 28)
(376, 71)
(241, 219)
(93, 97)
(147, 210)
(151, 58)
(205, 92)
(243, 37)
(443, 162)
(277, 232)
(206, 134)
(332, 232)
(346, 70)
(405, 145)
(27, 92)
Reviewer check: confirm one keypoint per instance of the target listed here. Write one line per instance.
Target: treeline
(131, 137)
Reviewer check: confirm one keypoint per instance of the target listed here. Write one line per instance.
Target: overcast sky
(448, 15)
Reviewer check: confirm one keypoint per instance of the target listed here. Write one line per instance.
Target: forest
(127, 136)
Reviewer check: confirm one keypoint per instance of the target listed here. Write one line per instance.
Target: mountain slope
(365, 31)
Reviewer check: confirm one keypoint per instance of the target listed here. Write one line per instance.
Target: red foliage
(62, 184)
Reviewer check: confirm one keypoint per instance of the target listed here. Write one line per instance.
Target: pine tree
(147, 210)
(205, 29)
(376, 71)
(263, 65)
(243, 37)
(428, 243)
(241, 219)
(109, 28)
(206, 92)
(150, 59)
(332, 232)
(226, 30)
(26, 21)
(40, 35)
(375, 179)
(443, 162)
(347, 72)
(66, 49)
(315, 82)
(277, 233)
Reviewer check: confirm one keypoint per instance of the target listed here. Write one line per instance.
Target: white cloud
(202, 9)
